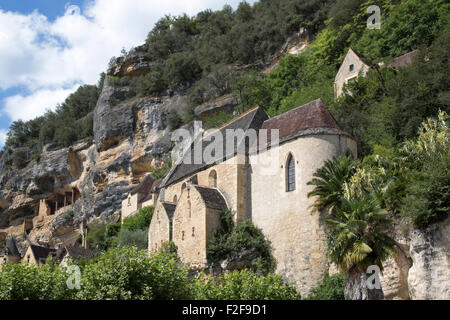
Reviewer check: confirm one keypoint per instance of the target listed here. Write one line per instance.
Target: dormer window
(351, 67)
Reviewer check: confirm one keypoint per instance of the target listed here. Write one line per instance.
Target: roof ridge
(238, 117)
(296, 108)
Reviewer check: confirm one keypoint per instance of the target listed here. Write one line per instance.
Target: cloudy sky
(50, 47)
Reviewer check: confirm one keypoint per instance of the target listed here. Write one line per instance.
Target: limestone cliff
(131, 139)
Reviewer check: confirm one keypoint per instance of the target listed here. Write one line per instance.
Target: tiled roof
(252, 119)
(41, 253)
(404, 60)
(311, 115)
(212, 197)
(81, 253)
(12, 247)
(145, 186)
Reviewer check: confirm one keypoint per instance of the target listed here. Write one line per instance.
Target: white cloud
(47, 56)
(3, 137)
(34, 105)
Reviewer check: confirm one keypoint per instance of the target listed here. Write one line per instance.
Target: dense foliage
(330, 288)
(244, 285)
(230, 241)
(130, 274)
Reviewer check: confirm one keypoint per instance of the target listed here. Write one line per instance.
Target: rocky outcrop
(420, 268)
(136, 63)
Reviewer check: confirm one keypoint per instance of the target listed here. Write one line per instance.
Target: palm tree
(329, 181)
(358, 241)
(357, 227)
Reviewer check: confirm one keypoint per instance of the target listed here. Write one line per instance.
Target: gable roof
(145, 186)
(80, 253)
(251, 119)
(404, 60)
(41, 253)
(11, 247)
(313, 115)
(212, 197)
(170, 209)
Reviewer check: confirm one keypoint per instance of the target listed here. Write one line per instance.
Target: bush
(128, 274)
(180, 68)
(330, 288)
(229, 241)
(134, 238)
(174, 120)
(245, 285)
(139, 221)
(20, 159)
(103, 236)
(32, 282)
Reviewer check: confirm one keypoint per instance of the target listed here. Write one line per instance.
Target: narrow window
(182, 235)
(213, 179)
(175, 199)
(290, 173)
(189, 208)
(351, 67)
(193, 231)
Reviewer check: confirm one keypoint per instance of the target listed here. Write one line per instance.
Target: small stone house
(161, 226)
(355, 65)
(140, 197)
(11, 254)
(196, 218)
(37, 254)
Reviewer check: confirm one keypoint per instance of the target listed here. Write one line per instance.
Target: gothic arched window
(290, 173)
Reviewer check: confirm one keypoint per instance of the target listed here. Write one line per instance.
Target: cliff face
(419, 270)
(131, 139)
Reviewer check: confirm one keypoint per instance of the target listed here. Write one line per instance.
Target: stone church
(268, 186)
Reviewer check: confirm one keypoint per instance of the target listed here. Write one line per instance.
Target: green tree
(329, 183)
(359, 240)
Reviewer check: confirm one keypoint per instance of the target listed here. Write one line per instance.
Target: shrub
(174, 120)
(103, 236)
(330, 288)
(32, 282)
(244, 285)
(137, 238)
(139, 221)
(20, 159)
(228, 241)
(127, 273)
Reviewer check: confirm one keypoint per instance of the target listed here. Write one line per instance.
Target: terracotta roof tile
(308, 116)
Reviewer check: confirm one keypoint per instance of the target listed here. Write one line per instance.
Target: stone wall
(193, 226)
(159, 230)
(345, 74)
(296, 232)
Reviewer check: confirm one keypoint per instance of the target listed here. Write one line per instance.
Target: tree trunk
(356, 287)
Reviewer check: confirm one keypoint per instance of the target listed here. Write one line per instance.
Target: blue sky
(50, 47)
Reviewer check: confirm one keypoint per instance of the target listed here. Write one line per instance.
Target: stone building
(268, 186)
(355, 65)
(11, 254)
(142, 196)
(38, 255)
(161, 225)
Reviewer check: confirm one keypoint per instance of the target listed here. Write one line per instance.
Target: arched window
(183, 186)
(213, 179)
(290, 173)
(175, 199)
